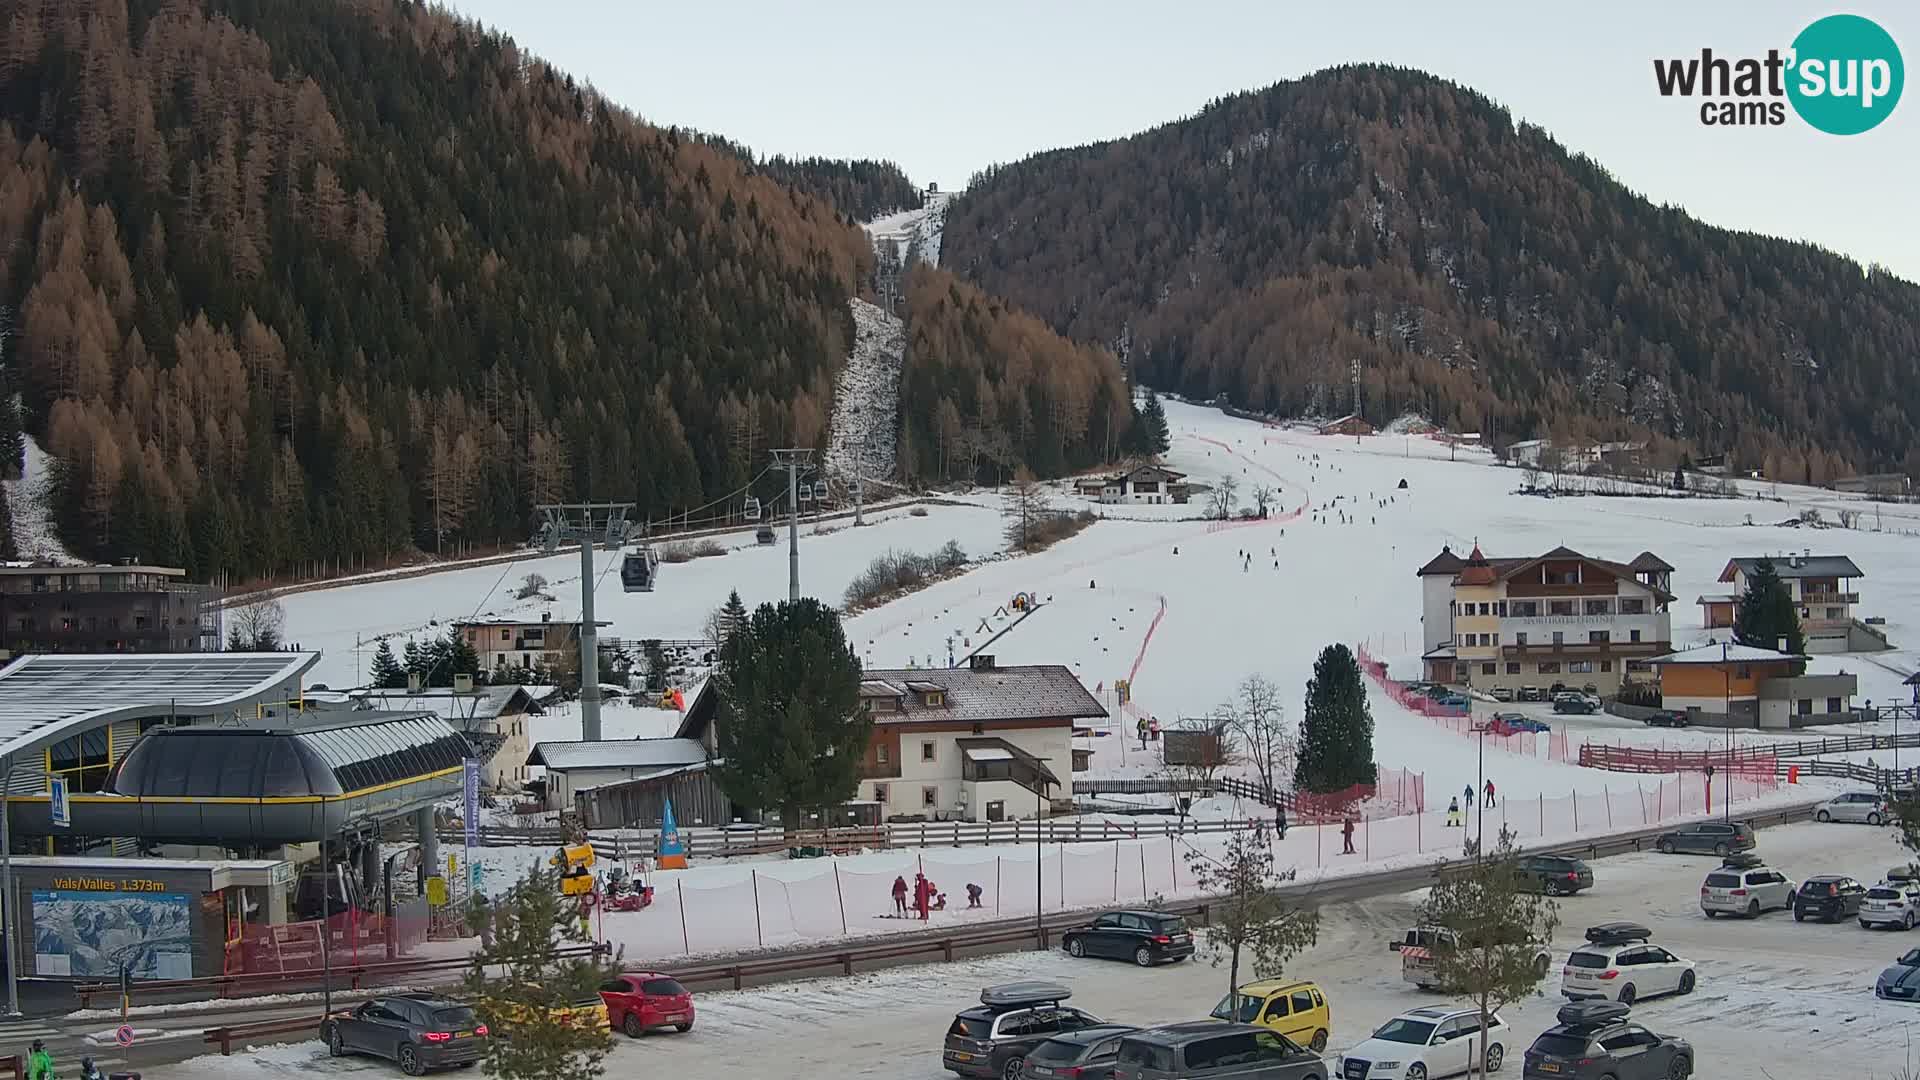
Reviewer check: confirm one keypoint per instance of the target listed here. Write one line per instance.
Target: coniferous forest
(1479, 272)
(302, 282)
(295, 286)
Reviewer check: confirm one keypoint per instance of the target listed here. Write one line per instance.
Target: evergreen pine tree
(414, 660)
(791, 730)
(1766, 614)
(1336, 737)
(387, 674)
(1154, 417)
(459, 658)
(733, 615)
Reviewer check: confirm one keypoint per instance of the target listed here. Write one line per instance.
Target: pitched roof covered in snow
(1797, 566)
(484, 704)
(1711, 653)
(976, 695)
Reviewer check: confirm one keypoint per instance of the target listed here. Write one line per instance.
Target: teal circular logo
(1846, 75)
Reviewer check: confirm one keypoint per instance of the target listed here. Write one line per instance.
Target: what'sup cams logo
(1842, 75)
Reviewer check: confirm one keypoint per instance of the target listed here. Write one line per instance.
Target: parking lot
(1775, 998)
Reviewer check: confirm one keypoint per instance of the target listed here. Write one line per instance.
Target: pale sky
(946, 89)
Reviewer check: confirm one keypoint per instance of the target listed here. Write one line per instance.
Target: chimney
(981, 662)
(1793, 558)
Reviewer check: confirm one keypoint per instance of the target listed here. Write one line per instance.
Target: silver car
(1856, 806)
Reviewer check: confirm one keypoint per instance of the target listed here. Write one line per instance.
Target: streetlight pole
(1726, 703)
(1480, 818)
(1039, 855)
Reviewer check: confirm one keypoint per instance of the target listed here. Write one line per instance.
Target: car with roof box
(416, 1031)
(1744, 885)
(1620, 962)
(1829, 897)
(1144, 937)
(1893, 902)
(1597, 1040)
(1291, 1007)
(1086, 1054)
(992, 1039)
(1424, 1044)
(1210, 1050)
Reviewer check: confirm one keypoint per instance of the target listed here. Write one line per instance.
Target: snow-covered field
(1775, 999)
(918, 232)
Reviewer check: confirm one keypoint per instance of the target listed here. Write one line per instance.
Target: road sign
(473, 878)
(437, 891)
(123, 1035)
(57, 801)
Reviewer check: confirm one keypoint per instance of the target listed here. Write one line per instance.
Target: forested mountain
(985, 388)
(1477, 270)
(861, 190)
(302, 282)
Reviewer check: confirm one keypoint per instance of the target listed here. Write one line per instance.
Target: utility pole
(588, 523)
(795, 461)
(859, 485)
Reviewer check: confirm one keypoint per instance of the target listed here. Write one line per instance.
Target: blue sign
(57, 802)
(470, 810)
(473, 879)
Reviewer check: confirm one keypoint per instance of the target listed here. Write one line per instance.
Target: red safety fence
(1551, 745)
(357, 937)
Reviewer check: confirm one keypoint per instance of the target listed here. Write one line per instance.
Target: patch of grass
(682, 551)
(896, 573)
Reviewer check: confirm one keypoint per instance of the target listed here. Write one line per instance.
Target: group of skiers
(927, 897)
(1457, 817)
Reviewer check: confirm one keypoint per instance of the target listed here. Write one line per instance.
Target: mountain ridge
(1480, 272)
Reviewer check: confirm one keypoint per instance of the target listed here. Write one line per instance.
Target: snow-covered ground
(28, 499)
(917, 232)
(345, 623)
(1775, 998)
(866, 399)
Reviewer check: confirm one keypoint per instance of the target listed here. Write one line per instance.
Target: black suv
(992, 1039)
(1667, 718)
(1556, 875)
(1708, 837)
(1595, 1039)
(1831, 897)
(1144, 937)
(417, 1031)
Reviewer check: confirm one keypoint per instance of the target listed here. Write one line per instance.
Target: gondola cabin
(638, 569)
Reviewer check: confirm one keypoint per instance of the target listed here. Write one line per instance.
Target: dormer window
(933, 697)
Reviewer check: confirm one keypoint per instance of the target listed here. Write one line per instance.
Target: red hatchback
(643, 1001)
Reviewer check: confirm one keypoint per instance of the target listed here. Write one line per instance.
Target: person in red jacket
(1488, 801)
(922, 895)
(899, 896)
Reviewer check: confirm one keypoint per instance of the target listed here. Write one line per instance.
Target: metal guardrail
(346, 978)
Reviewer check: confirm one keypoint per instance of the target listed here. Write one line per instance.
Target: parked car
(1428, 1042)
(1293, 1008)
(586, 1009)
(1417, 946)
(1714, 837)
(1210, 1050)
(1144, 937)
(1595, 1041)
(1501, 693)
(1895, 901)
(1901, 982)
(1621, 963)
(1861, 807)
(642, 1001)
(1667, 718)
(1829, 897)
(1532, 693)
(1557, 875)
(1453, 700)
(1576, 704)
(992, 1038)
(417, 1031)
(1744, 885)
(1086, 1054)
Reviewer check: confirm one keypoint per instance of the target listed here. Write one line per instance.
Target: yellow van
(1295, 1009)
